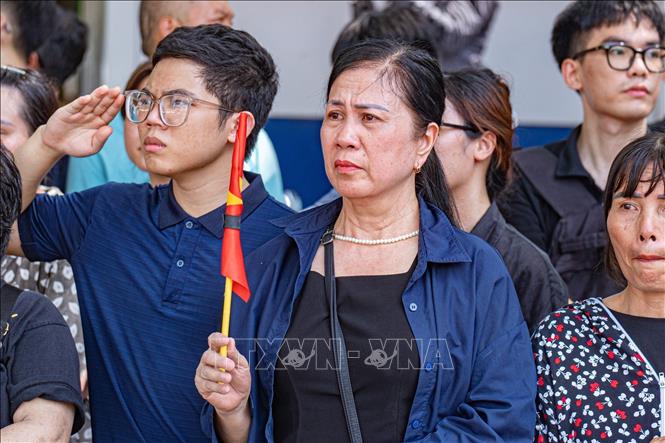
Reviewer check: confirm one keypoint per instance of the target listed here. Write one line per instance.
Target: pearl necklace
(380, 241)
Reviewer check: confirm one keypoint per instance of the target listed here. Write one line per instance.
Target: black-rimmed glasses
(462, 127)
(621, 57)
(173, 108)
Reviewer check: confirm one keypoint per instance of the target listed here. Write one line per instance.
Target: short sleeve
(53, 227)
(43, 359)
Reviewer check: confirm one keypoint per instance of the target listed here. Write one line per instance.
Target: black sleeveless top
(382, 354)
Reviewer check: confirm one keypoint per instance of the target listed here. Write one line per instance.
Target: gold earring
(417, 169)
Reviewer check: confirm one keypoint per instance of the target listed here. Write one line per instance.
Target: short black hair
(626, 173)
(395, 22)
(10, 196)
(39, 99)
(55, 34)
(417, 80)
(235, 68)
(61, 54)
(573, 24)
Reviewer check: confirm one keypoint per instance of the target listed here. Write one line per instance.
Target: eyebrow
(615, 39)
(619, 194)
(360, 105)
(171, 91)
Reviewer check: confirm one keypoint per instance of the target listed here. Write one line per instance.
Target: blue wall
(298, 147)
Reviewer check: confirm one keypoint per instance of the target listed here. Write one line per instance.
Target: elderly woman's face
(636, 227)
(14, 131)
(368, 136)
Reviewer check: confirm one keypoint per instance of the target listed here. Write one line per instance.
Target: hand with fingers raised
(227, 391)
(81, 127)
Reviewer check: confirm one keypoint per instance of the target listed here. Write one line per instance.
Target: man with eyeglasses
(611, 53)
(146, 260)
(157, 19)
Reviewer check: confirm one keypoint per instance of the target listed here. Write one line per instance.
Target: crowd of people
(449, 288)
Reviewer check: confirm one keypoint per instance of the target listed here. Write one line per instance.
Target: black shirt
(539, 287)
(38, 358)
(526, 209)
(382, 356)
(648, 334)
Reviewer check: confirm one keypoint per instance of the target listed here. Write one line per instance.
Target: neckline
(401, 274)
(636, 317)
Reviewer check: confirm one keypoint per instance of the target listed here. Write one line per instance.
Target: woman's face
(369, 140)
(455, 150)
(133, 144)
(636, 227)
(14, 131)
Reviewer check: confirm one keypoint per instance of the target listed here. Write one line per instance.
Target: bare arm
(79, 128)
(40, 420)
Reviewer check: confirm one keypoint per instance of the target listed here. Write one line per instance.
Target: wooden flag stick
(226, 315)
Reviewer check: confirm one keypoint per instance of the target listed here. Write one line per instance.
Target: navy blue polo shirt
(150, 293)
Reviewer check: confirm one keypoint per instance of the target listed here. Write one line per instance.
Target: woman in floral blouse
(28, 100)
(601, 362)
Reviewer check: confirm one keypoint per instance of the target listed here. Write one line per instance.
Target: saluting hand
(80, 128)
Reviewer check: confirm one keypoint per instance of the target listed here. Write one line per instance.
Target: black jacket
(539, 287)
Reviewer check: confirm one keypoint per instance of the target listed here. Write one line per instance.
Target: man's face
(209, 13)
(624, 95)
(199, 142)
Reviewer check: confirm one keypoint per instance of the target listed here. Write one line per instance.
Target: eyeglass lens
(622, 58)
(173, 108)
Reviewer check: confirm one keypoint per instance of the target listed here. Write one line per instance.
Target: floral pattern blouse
(594, 384)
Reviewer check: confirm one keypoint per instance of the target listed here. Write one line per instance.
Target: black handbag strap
(338, 344)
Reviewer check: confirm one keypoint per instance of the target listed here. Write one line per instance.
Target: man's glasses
(173, 108)
(621, 57)
(468, 128)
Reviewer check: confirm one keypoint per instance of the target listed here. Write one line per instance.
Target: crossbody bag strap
(338, 343)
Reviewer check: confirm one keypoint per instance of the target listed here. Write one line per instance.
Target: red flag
(232, 260)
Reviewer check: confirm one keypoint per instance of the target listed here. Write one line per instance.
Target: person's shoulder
(115, 193)
(525, 251)
(33, 310)
(479, 251)
(275, 207)
(578, 318)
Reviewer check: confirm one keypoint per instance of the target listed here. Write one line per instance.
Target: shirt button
(428, 366)
(189, 224)
(180, 263)
(415, 424)
(413, 307)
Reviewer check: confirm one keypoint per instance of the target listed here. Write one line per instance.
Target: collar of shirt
(488, 223)
(171, 213)
(569, 163)
(438, 243)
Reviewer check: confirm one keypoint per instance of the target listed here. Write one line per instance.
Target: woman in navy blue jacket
(409, 329)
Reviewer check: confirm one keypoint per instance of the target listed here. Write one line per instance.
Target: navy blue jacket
(477, 382)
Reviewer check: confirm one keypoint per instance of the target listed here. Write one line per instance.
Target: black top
(526, 209)
(539, 287)
(382, 356)
(37, 358)
(648, 334)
